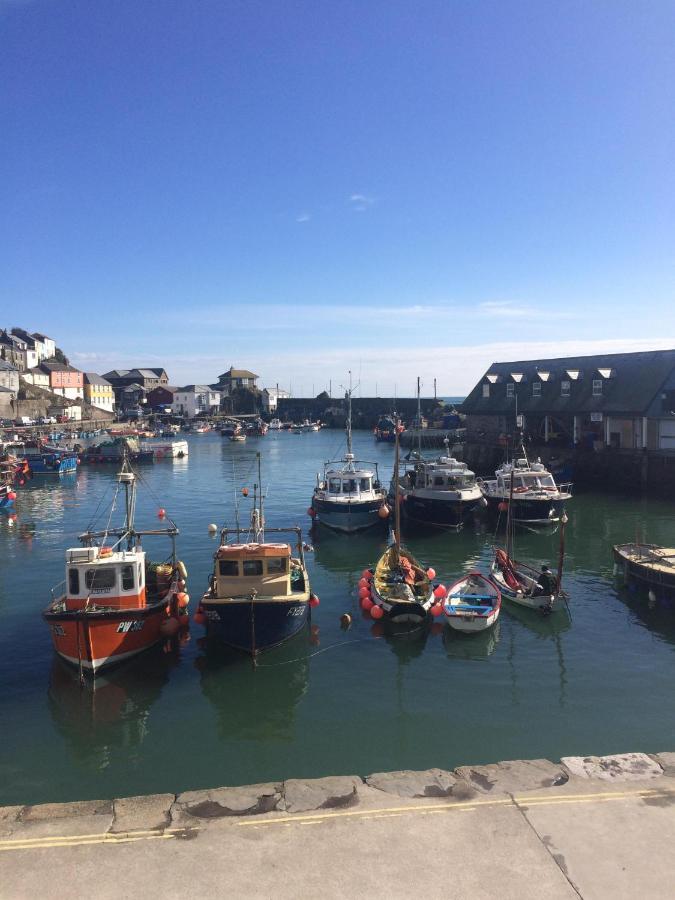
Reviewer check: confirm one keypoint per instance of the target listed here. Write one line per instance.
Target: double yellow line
(129, 837)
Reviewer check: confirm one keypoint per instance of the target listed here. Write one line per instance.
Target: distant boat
(349, 497)
(472, 604)
(259, 594)
(385, 430)
(275, 425)
(238, 437)
(114, 603)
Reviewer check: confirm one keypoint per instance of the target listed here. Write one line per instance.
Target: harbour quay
(589, 827)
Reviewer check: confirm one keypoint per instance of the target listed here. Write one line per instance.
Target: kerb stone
(515, 775)
(619, 767)
(321, 793)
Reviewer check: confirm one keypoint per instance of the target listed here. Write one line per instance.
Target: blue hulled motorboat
(259, 594)
(47, 459)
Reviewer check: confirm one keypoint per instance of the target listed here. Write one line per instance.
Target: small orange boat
(114, 602)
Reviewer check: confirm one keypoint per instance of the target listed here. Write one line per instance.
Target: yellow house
(98, 392)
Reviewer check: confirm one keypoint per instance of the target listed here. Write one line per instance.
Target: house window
(510, 390)
(565, 388)
(536, 388)
(597, 387)
(486, 390)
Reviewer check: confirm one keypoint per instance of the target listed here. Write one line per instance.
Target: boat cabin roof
(88, 556)
(246, 551)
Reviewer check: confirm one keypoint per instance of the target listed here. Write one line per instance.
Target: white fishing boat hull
(470, 623)
(540, 602)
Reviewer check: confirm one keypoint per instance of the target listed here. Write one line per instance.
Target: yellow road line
(80, 839)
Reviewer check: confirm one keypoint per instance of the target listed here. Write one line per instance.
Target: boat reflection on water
(478, 645)
(651, 615)
(106, 717)
(543, 626)
(405, 642)
(257, 702)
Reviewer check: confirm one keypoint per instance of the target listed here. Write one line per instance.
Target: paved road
(586, 838)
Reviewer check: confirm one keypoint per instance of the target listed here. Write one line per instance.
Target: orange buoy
(244, 492)
(199, 618)
(440, 591)
(183, 599)
(383, 511)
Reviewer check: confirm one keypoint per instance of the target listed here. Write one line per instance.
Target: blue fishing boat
(48, 459)
(259, 594)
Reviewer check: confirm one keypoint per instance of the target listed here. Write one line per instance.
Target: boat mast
(397, 504)
(128, 479)
(257, 513)
(349, 417)
(509, 516)
(419, 420)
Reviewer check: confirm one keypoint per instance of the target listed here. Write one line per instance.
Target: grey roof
(237, 373)
(41, 337)
(196, 389)
(93, 378)
(53, 365)
(635, 382)
(7, 366)
(6, 390)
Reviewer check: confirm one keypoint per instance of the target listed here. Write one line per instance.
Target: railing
(58, 590)
(566, 487)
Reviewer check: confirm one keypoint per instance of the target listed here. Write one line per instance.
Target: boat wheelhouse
(349, 497)
(385, 430)
(115, 603)
(259, 594)
(537, 499)
(440, 493)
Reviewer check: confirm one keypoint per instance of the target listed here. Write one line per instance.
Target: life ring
(105, 551)
(520, 490)
(180, 565)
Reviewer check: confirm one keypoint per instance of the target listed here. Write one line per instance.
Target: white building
(45, 346)
(36, 377)
(270, 396)
(194, 399)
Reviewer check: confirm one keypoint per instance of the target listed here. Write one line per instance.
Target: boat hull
(659, 580)
(347, 517)
(531, 511)
(470, 624)
(49, 465)
(439, 513)
(97, 640)
(543, 603)
(255, 625)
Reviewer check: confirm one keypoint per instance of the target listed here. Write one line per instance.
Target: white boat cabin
(348, 484)
(444, 474)
(528, 478)
(99, 576)
(268, 569)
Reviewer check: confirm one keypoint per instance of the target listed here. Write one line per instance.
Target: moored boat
(9, 467)
(46, 459)
(650, 566)
(400, 589)
(259, 594)
(472, 603)
(349, 497)
(537, 499)
(167, 449)
(115, 603)
(275, 425)
(385, 430)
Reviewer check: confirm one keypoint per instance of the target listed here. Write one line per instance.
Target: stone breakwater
(187, 812)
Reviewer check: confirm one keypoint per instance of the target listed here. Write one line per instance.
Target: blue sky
(301, 188)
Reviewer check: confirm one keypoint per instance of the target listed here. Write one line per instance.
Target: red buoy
(440, 592)
(383, 511)
(503, 506)
(364, 582)
(376, 612)
(436, 610)
(161, 512)
(364, 592)
(431, 573)
(311, 512)
(199, 618)
(366, 604)
(313, 600)
(244, 492)
(11, 495)
(367, 574)
(183, 599)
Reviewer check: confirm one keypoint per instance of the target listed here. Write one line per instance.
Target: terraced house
(98, 392)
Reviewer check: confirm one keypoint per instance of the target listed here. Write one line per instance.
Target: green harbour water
(329, 701)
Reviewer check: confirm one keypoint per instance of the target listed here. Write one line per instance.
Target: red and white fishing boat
(114, 602)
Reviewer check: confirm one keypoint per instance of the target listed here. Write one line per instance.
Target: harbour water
(330, 701)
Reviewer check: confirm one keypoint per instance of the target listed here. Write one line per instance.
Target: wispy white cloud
(361, 202)
(509, 309)
(303, 217)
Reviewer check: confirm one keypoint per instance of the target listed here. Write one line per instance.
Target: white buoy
(213, 528)
(652, 598)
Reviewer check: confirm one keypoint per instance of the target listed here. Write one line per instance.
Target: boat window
(334, 486)
(100, 579)
(438, 481)
(276, 565)
(365, 484)
(252, 567)
(349, 487)
(127, 578)
(73, 581)
(228, 567)
(519, 481)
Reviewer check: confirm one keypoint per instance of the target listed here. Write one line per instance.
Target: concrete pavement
(586, 827)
